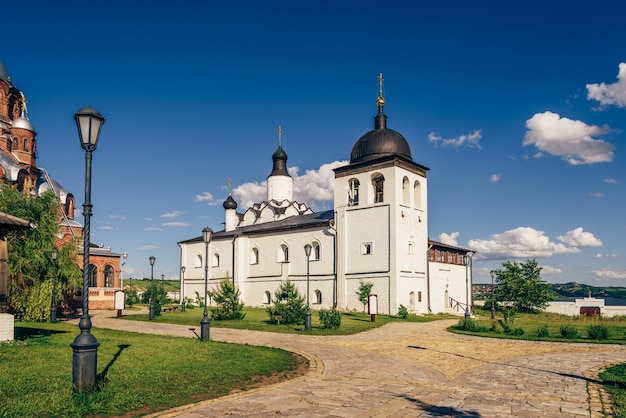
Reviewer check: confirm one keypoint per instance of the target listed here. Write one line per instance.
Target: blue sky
(518, 109)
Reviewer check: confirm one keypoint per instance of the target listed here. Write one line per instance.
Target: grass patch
(614, 379)
(256, 319)
(138, 373)
(548, 326)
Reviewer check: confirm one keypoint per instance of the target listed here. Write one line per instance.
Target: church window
(283, 254)
(318, 297)
(366, 248)
(417, 194)
(267, 298)
(419, 296)
(406, 193)
(410, 248)
(26, 145)
(317, 252)
(216, 260)
(378, 184)
(353, 193)
(255, 256)
(108, 276)
(93, 276)
(198, 260)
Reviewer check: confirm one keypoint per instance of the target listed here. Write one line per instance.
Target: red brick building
(18, 167)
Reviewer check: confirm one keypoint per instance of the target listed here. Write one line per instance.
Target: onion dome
(229, 203)
(380, 142)
(23, 123)
(279, 157)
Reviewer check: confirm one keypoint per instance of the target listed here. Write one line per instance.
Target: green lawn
(258, 320)
(139, 372)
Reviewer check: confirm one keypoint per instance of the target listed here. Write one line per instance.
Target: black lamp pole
(307, 315)
(85, 359)
(493, 298)
(182, 287)
(53, 306)
(152, 260)
(162, 290)
(205, 323)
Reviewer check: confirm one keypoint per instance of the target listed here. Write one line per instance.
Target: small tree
(288, 305)
(364, 291)
(520, 289)
(226, 296)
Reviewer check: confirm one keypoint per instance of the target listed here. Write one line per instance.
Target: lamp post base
(151, 310)
(53, 315)
(467, 313)
(205, 328)
(183, 306)
(85, 359)
(493, 313)
(307, 319)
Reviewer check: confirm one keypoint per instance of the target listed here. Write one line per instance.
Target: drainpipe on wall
(428, 277)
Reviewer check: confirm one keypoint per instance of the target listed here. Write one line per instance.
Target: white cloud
(449, 239)
(608, 256)
(108, 228)
(471, 140)
(550, 270)
(152, 228)
(203, 197)
(172, 215)
(175, 224)
(611, 181)
(579, 238)
(521, 242)
(596, 194)
(120, 217)
(494, 178)
(147, 247)
(572, 140)
(314, 187)
(610, 94)
(610, 274)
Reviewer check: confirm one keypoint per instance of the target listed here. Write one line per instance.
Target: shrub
(226, 296)
(403, 312)
(598, 332)
(330, 319)
(569, 332)
(543, 331)
(288, 305)
(467, 324)
(518, 331)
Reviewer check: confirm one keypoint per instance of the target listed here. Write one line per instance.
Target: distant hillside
(565, 290)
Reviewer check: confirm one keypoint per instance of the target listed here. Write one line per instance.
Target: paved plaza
(410, 370)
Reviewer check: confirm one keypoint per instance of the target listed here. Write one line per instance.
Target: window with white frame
(366, 248)
(317, 251)
(198, 261)
(254, 256)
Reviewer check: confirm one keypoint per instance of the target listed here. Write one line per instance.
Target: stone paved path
(409, 370)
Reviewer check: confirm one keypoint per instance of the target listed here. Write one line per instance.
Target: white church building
(376, 232)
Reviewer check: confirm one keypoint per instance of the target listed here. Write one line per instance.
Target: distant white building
(377, 232)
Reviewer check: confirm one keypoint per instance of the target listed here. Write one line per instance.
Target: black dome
(279, 167)
(379, 142)
(230, 203)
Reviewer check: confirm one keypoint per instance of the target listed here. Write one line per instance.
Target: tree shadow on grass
(24, 333)
(102, 379)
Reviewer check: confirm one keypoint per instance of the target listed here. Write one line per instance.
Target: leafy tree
(288, 305)
(30, 266)
(519, 288)
(227, 299)
(365, 288)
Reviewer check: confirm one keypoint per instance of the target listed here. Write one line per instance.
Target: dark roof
(379, 142)
(229, 203)
(293, 222)
(13, 222)
(279, 167)
(451, 247)
(5, 76)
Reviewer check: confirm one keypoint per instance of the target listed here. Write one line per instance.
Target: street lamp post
(493, 299)
(162, 290)
(124, 256)
(182, 288)
(152, 260)
(307, 315)
(205, 323)
(85, 359)
(53, 305)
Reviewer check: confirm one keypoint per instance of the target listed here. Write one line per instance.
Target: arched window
(317, 251)
(318, 297)
(93, 276)
(198, 263)
(283, 254)
(417, 194)
(378, 182)
(108, 276)
(254, 257)
(25, 144)
(406, 192)
(216, 260)
(268, 298)
(353, 193)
